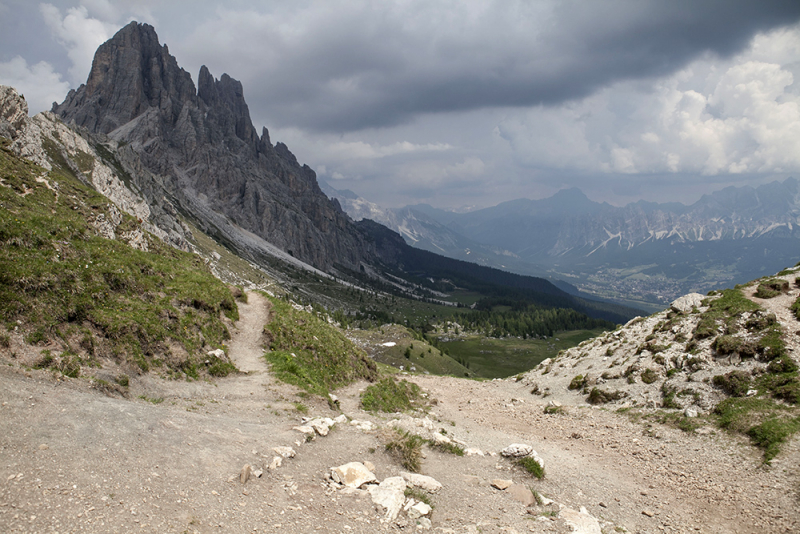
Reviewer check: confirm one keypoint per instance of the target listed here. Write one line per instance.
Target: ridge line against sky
(453, 103)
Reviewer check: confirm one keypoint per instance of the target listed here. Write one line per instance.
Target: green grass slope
(68, 289)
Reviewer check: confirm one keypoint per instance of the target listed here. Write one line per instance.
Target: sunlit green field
(499, 358)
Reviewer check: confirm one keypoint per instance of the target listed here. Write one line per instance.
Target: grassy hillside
(85, 297)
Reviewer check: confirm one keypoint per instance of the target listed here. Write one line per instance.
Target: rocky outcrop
(201, 147)
(45, 140)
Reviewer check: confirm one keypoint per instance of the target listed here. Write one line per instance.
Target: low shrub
(577, 382)
(649, 376)
(735, 383)
(598, 396)
(771, 288)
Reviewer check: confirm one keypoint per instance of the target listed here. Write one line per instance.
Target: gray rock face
(685, 303)
(200, 144)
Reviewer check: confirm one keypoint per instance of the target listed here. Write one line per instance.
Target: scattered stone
(423, 523)
(685, 303)
(340, 419)
(275, 463)
(390, 495)
(369, 465)
(501, 484)
(304, 429)
(245, 474)
(440, 439)
(334, 399)
(648, 513)
(554, 404)
(364, 426)
(690, 412)
(418, 510)
(521, 494)
(517, 450)
(218, 353)
(580, 522)
(473, 452)
(43, 447)
(321, 426)
(257, 473)
(423, 482)
(353, 474)
(285, 452)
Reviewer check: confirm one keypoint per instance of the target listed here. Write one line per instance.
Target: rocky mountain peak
(201, 145)
(130, 73)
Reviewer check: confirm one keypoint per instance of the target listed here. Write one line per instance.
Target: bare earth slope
(75, 460)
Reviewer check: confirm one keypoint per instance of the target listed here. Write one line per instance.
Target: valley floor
(75, 460)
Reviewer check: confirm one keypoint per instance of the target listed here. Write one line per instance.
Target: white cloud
(711, 118)
(79, 33)
(40, 85)
(362, 150)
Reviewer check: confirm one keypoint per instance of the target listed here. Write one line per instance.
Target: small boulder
(390, 494)
(285, 452)
(218, 353)
(353, 474)
(419, 509)
(685, 303)
(521, 494)
(276, 462)
(244, 476)
(423, 482)
(501, 484)
(440, 439)
(517, 450)
(304, 429)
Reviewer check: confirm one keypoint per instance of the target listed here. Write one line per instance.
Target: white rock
(440, 439)
(340, 419)
(685, 303)
(276, 462)
(418, 510)
(423, 523)
(390, 495)
(690, 412)
(218, 353)
(580, 522)
(353, 474)
(304, 429)
(364, 426)
(429, 484)
(257, 473)
(473, 452)
(320, 426)
(285, 452)
(517, 450)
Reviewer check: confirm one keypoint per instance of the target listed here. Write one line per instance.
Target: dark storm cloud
(367, 65)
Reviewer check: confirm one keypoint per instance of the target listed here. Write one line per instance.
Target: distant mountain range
(644, 251)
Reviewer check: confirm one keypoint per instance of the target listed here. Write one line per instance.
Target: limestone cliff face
(201, 145)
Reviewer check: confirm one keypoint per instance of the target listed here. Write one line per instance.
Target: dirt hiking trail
(168, 457)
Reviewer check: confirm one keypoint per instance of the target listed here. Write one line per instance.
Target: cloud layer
(472, 102)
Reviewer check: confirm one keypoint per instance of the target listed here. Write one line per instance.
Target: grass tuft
(529, 464)
(405, 447)
(390, 396)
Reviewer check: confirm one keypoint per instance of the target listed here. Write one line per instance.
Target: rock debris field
(247, 454)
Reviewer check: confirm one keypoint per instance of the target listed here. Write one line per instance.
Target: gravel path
(73, 459)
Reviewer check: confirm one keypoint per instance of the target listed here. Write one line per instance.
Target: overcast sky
(470, 103)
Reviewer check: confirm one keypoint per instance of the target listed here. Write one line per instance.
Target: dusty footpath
(169, 456)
